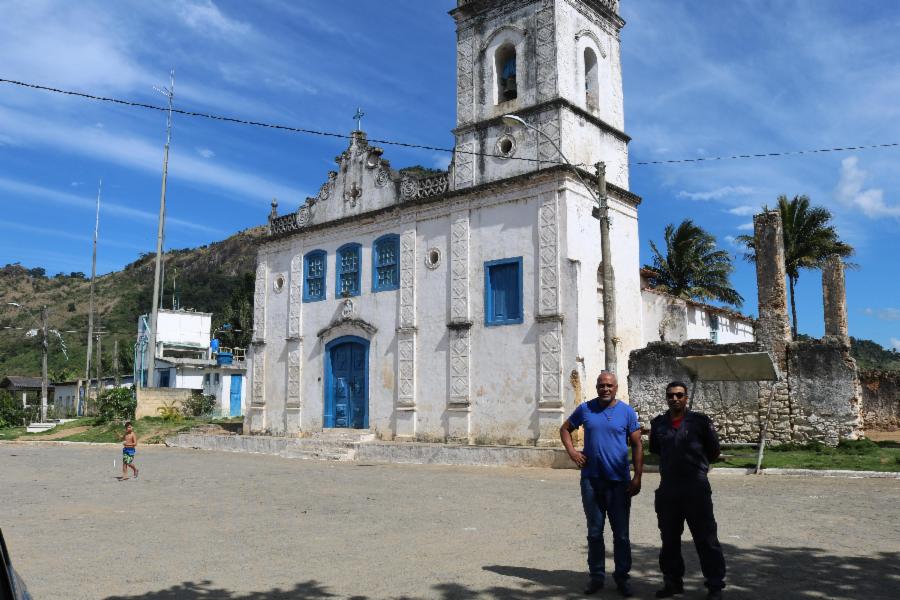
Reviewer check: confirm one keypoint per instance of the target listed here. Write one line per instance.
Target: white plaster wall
(655, 308)
(689, 321)
(180, 327)
(187, 377)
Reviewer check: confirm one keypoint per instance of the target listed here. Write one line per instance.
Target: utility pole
(99, 364)
(90, 335)
(116, 360)
(609, 281)
(160, 232)
(44, 349)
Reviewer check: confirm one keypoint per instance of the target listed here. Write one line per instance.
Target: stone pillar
(774, 329)
(834, 299)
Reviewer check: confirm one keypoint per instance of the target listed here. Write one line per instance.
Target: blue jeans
(601, 499)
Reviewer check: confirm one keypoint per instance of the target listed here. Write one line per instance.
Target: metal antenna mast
(160, 233)
(90, 335)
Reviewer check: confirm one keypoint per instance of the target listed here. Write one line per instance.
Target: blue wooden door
(347, 403)
(235, 396)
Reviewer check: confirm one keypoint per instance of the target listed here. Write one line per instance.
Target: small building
(28, 389)
(68, 394)
(668, 318)
(187, 357)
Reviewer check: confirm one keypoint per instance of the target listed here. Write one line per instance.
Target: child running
(129, 442)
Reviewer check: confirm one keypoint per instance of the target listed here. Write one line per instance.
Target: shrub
(199, 405)
(116, 404)
(860, 446)
(11, 412)
(170, 411)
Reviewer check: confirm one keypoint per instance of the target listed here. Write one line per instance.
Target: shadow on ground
(766, 572)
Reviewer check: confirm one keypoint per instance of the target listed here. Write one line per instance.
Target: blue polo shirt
(606, 432)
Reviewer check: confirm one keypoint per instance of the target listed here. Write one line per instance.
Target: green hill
(217, 278)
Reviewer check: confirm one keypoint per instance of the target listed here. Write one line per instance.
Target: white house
(463, 306)
(185, 359)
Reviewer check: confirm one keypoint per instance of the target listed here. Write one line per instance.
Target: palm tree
(809, 239)
(693, 268)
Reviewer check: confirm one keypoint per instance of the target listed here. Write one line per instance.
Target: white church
(465, 306)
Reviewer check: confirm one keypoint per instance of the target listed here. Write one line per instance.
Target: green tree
(11, 412)
(692, 266)
(809, 239)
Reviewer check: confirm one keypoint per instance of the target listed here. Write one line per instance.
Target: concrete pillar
(834, 299)
(774, 329)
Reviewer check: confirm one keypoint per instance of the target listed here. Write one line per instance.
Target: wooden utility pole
(90, 335)
(116, 360)
(609, 281)
(99, 365)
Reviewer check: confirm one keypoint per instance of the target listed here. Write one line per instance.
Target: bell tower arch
(554, 63)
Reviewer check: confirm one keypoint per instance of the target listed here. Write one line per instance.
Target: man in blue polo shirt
(610, 426)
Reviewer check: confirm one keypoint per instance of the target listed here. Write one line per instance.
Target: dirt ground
(217, 526)
(55, 435)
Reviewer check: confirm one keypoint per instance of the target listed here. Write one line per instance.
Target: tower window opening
(591, 79)
(507, 88)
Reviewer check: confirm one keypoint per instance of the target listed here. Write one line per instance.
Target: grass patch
(150, 430)
(11, 433)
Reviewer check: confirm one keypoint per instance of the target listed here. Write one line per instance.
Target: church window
(386, 264)
(314, 276)
(503, 291)
(348, 270)
(505, 66)
(591, 79)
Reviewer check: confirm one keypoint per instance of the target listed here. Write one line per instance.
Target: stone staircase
(330, 444)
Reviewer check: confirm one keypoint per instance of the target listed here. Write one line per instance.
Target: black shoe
(669, 590)
(624, 589)
(593, 586)
(714, 594)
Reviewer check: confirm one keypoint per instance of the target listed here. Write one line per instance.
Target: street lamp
(44, 347)
(609, 281)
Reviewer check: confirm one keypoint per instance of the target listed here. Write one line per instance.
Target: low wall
(151, 399)
(880, 400)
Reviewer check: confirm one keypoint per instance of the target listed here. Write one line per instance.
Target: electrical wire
(289, 128)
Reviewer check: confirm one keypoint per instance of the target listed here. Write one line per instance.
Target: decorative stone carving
(548, 250)
(406, 367)
(303, 216)
(549, 126)
(382, 178)
(546, 54)
(324, 191)
(408, 188)
(459, 267)
(283, 224)
(551, 364)
(295, 299)
(593, 36)
(258, 392)
(408, 279)
(259, 303)
(352, 194)
(464, 165)
(465, 82)
(347, 309)
(426, 187)
(459, 366)
(293, 378)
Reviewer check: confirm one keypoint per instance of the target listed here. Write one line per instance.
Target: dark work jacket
(684, 453)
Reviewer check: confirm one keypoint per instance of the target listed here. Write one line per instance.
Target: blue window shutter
(386, 263)
(503, 291)
(348, 272)
(314, 276)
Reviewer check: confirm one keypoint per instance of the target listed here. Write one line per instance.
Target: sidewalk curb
(60, 443)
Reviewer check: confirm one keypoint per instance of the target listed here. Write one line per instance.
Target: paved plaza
(216, 526)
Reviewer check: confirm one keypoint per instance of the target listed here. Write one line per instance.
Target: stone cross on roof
(358, 116)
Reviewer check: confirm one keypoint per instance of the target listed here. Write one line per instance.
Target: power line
(425, 147)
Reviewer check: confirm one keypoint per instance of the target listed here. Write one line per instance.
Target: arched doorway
(347, 383)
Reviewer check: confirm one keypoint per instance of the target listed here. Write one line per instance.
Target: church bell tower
(555, 64)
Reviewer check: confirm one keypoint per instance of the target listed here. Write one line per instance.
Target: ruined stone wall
(826, 396)
(735, 407)
(880, 400)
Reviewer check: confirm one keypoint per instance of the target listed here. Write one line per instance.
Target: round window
(278, 284)
(506, 146)
(433, 258)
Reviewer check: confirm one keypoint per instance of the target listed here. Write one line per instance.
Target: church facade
(465, 305)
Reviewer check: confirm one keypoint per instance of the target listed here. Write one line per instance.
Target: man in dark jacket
(686, 443)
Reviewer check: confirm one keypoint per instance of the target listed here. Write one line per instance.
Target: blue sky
(702, 78)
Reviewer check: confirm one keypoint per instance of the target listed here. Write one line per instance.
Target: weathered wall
(151, 399)
(735, 407)
(880, 400)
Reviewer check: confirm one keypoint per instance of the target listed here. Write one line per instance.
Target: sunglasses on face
(677, 395)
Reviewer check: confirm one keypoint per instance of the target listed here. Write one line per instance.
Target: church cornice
(538, 108)
(469, 9)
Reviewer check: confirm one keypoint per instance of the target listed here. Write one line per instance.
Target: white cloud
(205, 152)
(895, 343)
(744, 211)
(851, 193)
(721, 193)
(58, 233)
(745, 227)
(204, 16)
(886, 314)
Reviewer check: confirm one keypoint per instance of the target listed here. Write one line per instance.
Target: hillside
(217, 278)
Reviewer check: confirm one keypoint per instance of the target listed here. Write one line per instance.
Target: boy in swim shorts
(129, 442)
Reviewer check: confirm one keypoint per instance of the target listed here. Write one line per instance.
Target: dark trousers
(691, 502)
(604, 499)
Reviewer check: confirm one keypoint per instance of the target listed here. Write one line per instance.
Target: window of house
(591, 79)
(714, 328)
(314, 276)
(386, 263)
(503, 291)
(505, 67)
(217, 380)
(348, 270)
